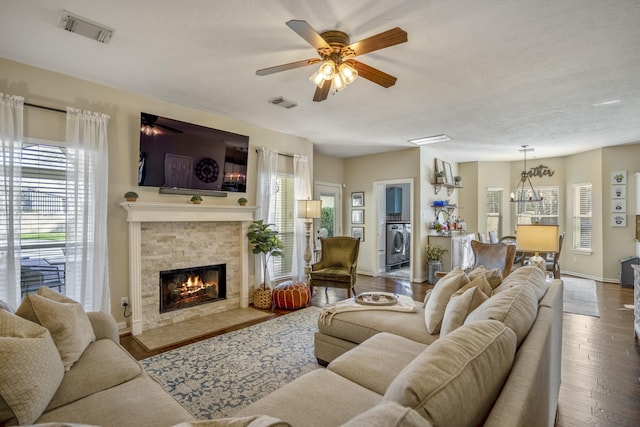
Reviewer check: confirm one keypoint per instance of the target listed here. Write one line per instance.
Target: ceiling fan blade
(304, 30)
(379, 41)
(322, 92)
(373, 74)
(289, 66)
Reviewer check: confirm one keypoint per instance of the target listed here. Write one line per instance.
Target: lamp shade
(309, 209)
(537, 238)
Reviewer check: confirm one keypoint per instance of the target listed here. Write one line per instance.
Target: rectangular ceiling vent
(86, 27)
(284, 103)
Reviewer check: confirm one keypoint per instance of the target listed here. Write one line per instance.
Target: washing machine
(407, 242)
(395, 244)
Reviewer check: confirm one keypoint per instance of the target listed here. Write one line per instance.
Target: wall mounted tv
(186, 158)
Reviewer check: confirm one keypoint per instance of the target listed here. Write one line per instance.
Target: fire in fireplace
(187, 287)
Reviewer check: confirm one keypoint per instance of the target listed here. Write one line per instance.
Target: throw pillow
(460, 305)
(516, 307)
(494, 277)
(28, 353)
(427, 295)
(480, 282)
(6, 307)
(388, 414)
(68, 324)
(440, 295)
(526, 276)
(456, 380)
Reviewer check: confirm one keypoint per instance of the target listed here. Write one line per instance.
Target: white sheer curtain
(266, 189)
(301, 191)
(87, 269)
(11, 134)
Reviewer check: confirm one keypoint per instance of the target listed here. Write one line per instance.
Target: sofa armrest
(104, 326)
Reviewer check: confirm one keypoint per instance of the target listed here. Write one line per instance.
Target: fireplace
(188, 287)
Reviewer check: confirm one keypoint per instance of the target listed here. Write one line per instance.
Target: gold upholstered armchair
(337, 265)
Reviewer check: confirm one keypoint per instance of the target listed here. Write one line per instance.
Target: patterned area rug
(580, 296)
(219, 376)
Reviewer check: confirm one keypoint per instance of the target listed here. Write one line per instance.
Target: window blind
(285, 224)
(494, 214)
(582, 220)
(544, 212)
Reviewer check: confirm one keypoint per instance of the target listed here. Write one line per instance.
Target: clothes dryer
(395, 244)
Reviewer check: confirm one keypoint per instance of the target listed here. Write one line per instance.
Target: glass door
(330, 224)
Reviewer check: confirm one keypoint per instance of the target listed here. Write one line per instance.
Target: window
(285, 224)
(582, 221)
(494, 210)
(544, 212)
(43, 216)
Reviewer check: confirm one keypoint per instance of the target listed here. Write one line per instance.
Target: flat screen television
(184, 156)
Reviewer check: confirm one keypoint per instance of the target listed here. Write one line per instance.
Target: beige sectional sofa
(490, 360)
(59, 364)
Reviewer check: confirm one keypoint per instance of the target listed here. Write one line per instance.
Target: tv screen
(180, 155)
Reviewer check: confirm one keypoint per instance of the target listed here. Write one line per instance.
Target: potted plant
(439, 177)
(242, 201)
(434, 254)
(196, 199)
(266, 243)
(131, 196)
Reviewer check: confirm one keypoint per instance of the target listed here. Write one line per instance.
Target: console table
(636, 299)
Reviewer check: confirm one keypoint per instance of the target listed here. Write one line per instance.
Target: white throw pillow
(439, 298)
(494, 277)
(28, 354)
(460, 305)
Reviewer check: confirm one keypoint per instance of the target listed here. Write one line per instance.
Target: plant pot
(243, 204)
(433, 267)
(262, 298)
(196, 202)
(131, 199)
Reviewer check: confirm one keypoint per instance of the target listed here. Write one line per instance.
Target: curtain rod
(45, 108)
(280, 154)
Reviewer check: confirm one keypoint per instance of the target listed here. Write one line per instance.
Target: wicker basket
(262, 298)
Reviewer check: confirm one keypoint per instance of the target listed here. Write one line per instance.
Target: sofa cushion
(388, 414)
(437, 302)
(104, 364)
(68, 324)
(28, 353)
(494, 276)
(460, 305)
(526, 276)
(516, 307)
(385, 354)
(455, 381)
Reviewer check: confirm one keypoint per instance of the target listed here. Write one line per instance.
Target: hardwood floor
(600, 359)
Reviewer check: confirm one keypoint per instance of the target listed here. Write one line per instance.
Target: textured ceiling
(562, 75)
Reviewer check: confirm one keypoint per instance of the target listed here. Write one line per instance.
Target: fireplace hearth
(188, 287)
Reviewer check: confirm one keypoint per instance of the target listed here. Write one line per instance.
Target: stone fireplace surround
(165, 236)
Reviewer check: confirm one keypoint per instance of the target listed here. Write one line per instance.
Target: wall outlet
(123, 301)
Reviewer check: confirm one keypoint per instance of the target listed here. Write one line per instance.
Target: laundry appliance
(395, 244)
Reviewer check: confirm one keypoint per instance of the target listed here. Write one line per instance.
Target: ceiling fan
(336, 55)
(149, 123)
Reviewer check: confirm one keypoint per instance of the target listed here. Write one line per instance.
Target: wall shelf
(447, 209)
(450, 187)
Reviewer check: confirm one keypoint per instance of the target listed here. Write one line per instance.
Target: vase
(434, 266)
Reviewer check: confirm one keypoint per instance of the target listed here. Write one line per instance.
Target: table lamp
(308, 210)
(537, 238)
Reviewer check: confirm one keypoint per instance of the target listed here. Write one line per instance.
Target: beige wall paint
(359, 175)
(56, 90)
(618, 242)
(328, 168)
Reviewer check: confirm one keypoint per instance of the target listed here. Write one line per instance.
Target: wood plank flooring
(600, 359)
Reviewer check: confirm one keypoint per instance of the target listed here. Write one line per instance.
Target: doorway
(330, 222)
(393, 213)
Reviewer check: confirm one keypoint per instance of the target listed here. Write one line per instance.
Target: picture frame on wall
(619, 206)
(618, 177)
(357, 233)
(448, 174)
(618, 220)
(357, 216)
(619, 191)
(357, 199)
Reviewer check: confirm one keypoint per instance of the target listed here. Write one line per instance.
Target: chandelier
(524, 191)
(340, 73)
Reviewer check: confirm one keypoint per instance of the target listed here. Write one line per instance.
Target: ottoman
(291, 295)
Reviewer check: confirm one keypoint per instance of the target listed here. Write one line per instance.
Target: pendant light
(524, 191)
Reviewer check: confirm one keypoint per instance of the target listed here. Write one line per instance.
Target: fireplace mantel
(141, 212)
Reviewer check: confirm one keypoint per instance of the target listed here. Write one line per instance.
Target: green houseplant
(242, 201)
(434, 254)
(196, 199)
(131, 196)
(266, 243)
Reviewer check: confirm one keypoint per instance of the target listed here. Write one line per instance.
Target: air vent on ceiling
(284, 103)
(85, 27)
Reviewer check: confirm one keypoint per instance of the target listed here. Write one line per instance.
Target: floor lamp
(308, 210)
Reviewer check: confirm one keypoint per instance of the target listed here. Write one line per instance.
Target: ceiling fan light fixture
(328, 69)
(149, 130)
(338, 83)
(317, 78)
(348, 73)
